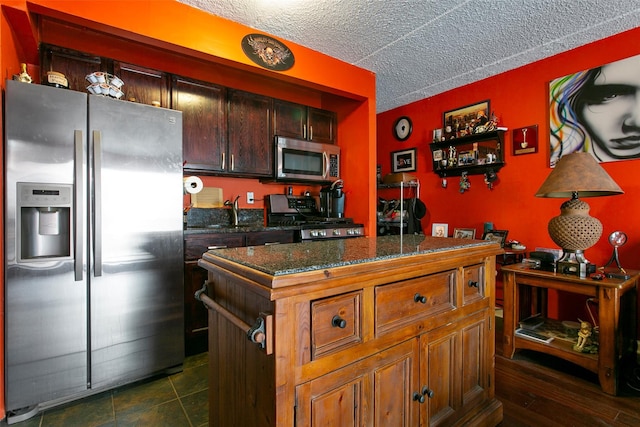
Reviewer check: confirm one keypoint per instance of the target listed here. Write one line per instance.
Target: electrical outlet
(250, 197)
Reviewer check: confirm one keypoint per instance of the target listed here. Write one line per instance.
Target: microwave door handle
(325, 164)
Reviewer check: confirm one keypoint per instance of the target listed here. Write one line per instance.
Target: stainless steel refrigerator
(93, 244)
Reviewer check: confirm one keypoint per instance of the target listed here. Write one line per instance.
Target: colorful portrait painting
(597, 111)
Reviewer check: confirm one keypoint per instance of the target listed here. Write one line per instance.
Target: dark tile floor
(172, 401)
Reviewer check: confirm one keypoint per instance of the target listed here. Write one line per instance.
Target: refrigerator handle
(97, 211)
(78, 212)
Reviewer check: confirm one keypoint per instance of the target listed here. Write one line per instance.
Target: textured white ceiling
(419, 48)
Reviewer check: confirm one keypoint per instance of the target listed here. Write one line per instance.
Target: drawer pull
(420, 298)
(472, 284)
(338, 322)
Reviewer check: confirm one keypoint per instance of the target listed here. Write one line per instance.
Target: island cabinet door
(455, 369)
(375, 392)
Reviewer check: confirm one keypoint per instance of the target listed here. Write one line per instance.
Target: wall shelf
(474, 154)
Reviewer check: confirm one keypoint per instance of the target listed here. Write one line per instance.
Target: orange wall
(209, 49)
(170, 36)
(519, 98)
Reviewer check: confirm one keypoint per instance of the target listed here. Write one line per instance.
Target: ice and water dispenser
(44, 221)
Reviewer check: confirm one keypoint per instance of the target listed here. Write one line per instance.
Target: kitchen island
(387, 331)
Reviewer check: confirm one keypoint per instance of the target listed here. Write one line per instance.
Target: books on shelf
(533, 335)
(532, 322)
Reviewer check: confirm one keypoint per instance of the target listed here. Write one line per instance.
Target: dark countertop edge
(249, 228)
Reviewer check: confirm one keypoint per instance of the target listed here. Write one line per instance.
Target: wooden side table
(525, 292)
(511, 256)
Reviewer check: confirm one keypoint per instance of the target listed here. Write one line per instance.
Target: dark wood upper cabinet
(143, 85)
(74, 65)
(302, 122)
(250, 150)
(204, 135)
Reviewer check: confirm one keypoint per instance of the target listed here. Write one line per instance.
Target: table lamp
(576, 175)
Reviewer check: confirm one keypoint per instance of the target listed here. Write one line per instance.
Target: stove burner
(313, 226)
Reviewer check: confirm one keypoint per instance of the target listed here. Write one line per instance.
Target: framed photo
(403, 161)
(464, 233)
(465, 120)
(525, 140)
(499, 236)
(440, 230)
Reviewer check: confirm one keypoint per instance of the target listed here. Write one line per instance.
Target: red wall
(519, 98)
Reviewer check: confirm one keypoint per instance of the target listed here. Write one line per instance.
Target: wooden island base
(356, 332)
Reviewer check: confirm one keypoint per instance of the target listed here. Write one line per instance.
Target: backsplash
(199, 217)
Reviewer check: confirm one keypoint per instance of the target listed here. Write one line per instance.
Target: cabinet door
(440, 364)
(377, 391)
(475, 359)
(289, 119)
(143, 85)
(195, 313)
(74, 65)
(250, 140)
(321, 126)
(456, 367)
(204, 123)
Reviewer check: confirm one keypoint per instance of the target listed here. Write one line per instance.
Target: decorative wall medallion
(267, 52)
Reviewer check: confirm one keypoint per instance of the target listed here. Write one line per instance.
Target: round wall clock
(402, 128)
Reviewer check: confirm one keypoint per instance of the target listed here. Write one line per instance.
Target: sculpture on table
(583, 335)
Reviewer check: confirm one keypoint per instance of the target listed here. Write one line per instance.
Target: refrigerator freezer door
(136, 287)
(46, 332)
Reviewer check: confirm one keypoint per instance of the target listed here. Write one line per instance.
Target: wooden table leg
(608, 317)
(509, 315)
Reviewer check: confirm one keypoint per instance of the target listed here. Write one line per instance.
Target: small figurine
(464, 182)
(583, 335)
(23, 76)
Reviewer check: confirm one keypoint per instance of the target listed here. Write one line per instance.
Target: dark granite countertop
(277, 260)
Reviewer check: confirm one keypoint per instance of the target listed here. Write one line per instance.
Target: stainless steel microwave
(302, 160)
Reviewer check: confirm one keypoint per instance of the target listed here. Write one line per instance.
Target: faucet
(234, 209)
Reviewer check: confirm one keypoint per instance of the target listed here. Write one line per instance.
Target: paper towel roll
(193, 185)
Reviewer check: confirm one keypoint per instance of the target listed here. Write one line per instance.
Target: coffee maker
(332, 199)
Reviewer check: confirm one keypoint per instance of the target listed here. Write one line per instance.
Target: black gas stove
(303, 212)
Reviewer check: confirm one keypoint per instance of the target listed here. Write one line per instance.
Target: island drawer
(405, 302)
(335, 323)
(195, 246)
(473, 284)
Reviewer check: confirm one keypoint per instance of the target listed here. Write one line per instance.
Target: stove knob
(322, 233)
(336, 231)
(314, 233)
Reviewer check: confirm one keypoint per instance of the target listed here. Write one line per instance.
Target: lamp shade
(579, 173)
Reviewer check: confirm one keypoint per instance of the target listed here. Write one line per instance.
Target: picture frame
(439, 230)
(499, 236)
(464, 233)
(404, 160)
(525, 140)
(464, 119)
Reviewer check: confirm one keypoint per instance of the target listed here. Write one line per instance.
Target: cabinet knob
(418, 397)
(426, 391)
(472, 284)
(338, 322)
(420, 298)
